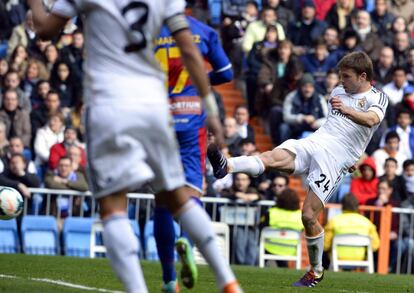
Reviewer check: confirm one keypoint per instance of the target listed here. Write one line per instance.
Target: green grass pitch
(96, 273)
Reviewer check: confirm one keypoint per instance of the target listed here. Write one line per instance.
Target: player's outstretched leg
(195, 221)
(164, 235)
(121, 243)
(314, 238)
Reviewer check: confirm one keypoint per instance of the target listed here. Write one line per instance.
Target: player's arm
(222, 70)
(370, 118)
(47, 25)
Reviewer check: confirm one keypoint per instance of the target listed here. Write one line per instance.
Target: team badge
(362, 102)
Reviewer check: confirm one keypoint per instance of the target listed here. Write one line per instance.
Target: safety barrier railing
(403, 247)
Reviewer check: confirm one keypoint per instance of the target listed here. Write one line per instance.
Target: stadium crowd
(284, 54)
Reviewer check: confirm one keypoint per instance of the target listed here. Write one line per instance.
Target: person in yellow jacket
(285, 215)
(350, 222)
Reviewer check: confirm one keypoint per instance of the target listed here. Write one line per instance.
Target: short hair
(358, 62)
(242, 106)
(399, 68)
(288, 199)
(391, 135)
(254, 3)
(319, 42)
(11, 91)
(281, 175)
(65, 158)
(350, 203)
(408, 163)
(390, 159)
(404, 111)
(18, 155)
(384, 180)
(285, 43)
(53, 92)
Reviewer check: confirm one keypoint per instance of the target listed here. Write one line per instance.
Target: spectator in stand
(256, 30)
(4, 142)
(245, 246)
(16, 147)
(365, 187)
(17, 177)
(381, 17)
(350, 43)
(401, 47)
(339, 16)
(51, 106)
(350, 222)
(318, 63)
(35, 72)
(395, 89)
(39, 94)
(46, 137)
(241, 114)
(399, 192)
(410, 66)
(383, 69)
(408, 175)
(405, 9)
(304, 32)
(60, 149)
(392, 141)
(73, 54)
(257, 56)
(284, 15)
(66, 84)
(398, 25)
(12, 82)
(405, 132)
(331, 82)
(331, 38)
(286, 214)
(304, 110)
(4, 68)
(18, 60)
(65, 178)
(17, 120)
(407, 103)
(51, 56)
(23, 35)
(232, 138)
(75, 154)
(369, 40)
(279, 183)
(76, 120)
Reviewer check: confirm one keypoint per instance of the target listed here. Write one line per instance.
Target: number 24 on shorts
(325, 185)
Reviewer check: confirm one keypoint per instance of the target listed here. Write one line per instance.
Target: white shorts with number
(324, 171)
(129, 145)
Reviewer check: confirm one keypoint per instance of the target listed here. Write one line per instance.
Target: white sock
(251, 165)
(195, 221)
(315, 251)
(122, 251)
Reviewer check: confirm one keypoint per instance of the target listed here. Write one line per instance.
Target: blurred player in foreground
(355, 110)
(129, 136)
(189, 120)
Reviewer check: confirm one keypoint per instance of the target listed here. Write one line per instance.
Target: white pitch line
(61, 283)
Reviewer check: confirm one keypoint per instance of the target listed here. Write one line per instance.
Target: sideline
(60, 283)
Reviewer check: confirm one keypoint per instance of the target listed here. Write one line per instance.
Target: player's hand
(337, 104)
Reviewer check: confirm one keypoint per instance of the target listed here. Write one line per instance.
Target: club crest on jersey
(362, 102)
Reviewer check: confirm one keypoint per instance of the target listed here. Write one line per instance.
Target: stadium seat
(150, 245)
(278, 236)
(9, 239)
(353, 241)
(77, 236)
(39, 235)
(222, 231)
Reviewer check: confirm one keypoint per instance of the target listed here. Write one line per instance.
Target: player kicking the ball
(355, 110)
(130, 137)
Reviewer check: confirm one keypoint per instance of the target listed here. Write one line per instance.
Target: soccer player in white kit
(130, 136)
(355, 111)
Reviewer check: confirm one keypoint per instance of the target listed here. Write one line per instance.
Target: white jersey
(113, 27)
(339, 135)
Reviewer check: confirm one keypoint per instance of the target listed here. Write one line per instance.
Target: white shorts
(323, 169)
(129, 145)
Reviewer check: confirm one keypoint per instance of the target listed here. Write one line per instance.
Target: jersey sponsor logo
(185, 106)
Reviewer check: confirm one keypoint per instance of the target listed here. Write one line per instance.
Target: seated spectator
(410, 66)
(369, 40)
(73, 54)
(4, 68)
(286, 214)
(350, 222)
(392, 141)
(16, 147)
(405, 9)
(18, 60)
(38, 97)
(23, 34)
(383, 69)
(304, 32)
(65, 178)
(48, 136)
(395, 89)
(339, 16)
(17, 177)
(232, 138)
(349, 43)
(318, 63)
(12, 82)
(331, 82)
(51, 56)
(399, 192)
(4, 142)
(284, 14)
(401, 47)
(241, 114)
(36, 71)
(60, 149)
(331, 38)
(256, 30)
(408, 175)
(279, 183)
(304, 110)
(365, 187)
(17, 120)
(75, 154)
(381, 17)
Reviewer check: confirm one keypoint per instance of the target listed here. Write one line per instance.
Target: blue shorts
(193, 144)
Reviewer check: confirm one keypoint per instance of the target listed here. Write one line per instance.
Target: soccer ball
(11, 203)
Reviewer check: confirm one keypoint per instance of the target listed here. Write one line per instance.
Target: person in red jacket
(59, 150)
(365, 187)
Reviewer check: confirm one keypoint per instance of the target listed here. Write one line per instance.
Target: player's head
(350, 203)
(288, 199)
(355, 72)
